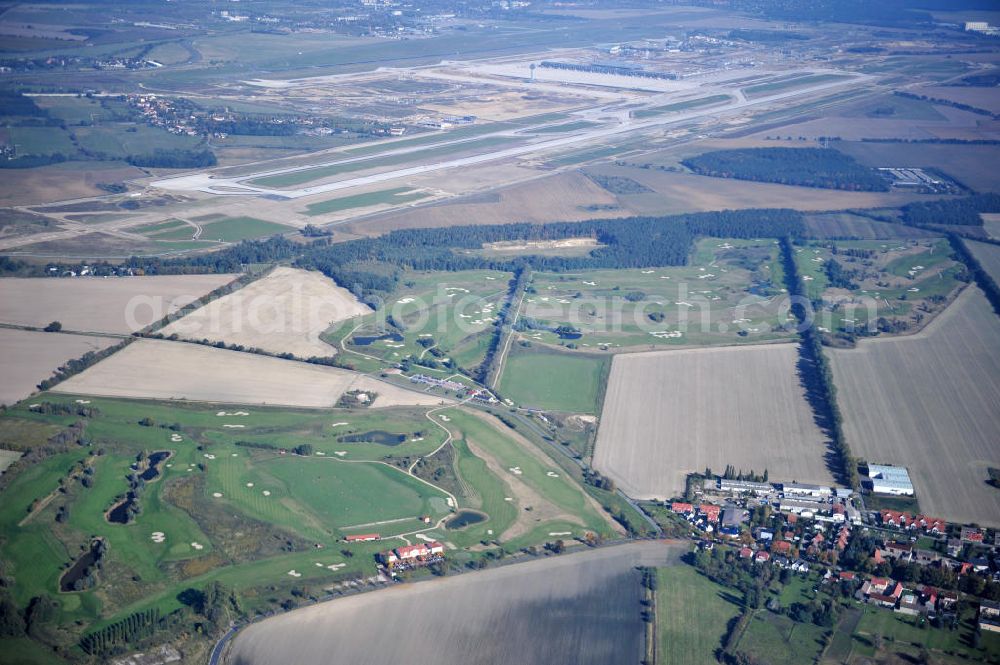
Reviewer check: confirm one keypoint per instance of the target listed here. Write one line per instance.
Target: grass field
(726, 295)
(41, 141)
(905, 399)
(541, 378)
(692, 616)
(774, 638)
(234, 229)
(452, 313)
(786, 84)
(680, 106)
(394, 196)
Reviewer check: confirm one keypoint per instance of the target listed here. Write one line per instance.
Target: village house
(362, 538)
(989, 616)
(882, 590)
(412, 554)
(971, 535)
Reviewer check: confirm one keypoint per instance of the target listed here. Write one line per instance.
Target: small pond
(155, 459)
(377, 436)
(464, 518)
(367, 340)
(82, 566)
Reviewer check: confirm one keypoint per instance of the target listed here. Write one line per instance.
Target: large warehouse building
(887, 479)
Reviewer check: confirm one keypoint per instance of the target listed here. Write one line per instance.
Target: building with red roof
(682, 508)
(362, 538)
(710, 511)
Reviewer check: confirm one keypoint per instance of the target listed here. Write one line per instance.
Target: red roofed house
(746, 553)
(842, 538)
(781, 547)
(681, 507)
(971, 535)
(931, 524)
(895, 518)
(362, 538)
(762, 557)
(710, 511)
(877, 557)
(884, 591)
(847, 576)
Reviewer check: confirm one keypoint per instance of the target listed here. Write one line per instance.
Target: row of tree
(806, 167)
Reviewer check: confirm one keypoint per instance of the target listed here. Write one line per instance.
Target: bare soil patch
(118, 305)
(154, 369)
(29, 357)
(284, 312)
(931, 402)
(669, 413)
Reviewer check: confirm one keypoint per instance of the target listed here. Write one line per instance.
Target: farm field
(898, 285)
(29, 357)
(742, 406)
(847, 225)
(580, 608)
(970, 165)
(120, 305)
(551, 380)
(154, 369)
(683, 636)
(929, 402)
(988, 256)
(726, 295)
(283, 312)
(991, 222)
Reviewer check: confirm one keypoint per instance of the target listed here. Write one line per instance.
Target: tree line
(806, 167)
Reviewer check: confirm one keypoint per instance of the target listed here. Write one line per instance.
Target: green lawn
(774, 638)
(40, 141)
(396, 195)
(540, 378)
(692, 616)
(235, 229)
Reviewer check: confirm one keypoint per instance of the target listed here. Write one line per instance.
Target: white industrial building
(887, 479)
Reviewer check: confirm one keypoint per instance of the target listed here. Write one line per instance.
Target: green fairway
(692, 616)
(396, 195)
(553, 380)
(234, 229)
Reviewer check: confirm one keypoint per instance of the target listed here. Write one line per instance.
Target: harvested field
(29, 357)
(931, 402)
(988, 256)
(155, 369)
(971, 165)
(563, 197)
(991, 222)
(980, 98)
(118, 305)
(579, 608)
(668, 413)
(284, 312)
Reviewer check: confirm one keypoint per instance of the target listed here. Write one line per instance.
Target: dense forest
(370, 267)
(951, 212)
(174, 159)
(807, 167)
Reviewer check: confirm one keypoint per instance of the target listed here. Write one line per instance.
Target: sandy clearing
(284, 312)
(668, 413)
(580, 608)
(28, 357)
(931, 402)
(155, 369)
(119, 305)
